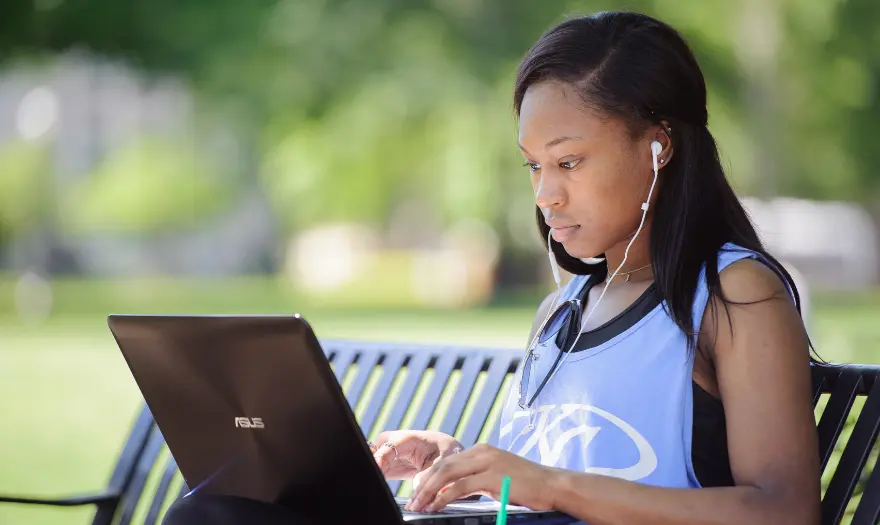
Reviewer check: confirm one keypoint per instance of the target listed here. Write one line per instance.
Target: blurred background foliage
(346, 106)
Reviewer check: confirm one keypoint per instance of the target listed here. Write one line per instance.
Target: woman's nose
(548, 193)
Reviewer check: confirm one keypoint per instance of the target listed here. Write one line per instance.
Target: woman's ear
(663, 135)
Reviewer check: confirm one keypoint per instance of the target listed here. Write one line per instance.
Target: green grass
(67, 399)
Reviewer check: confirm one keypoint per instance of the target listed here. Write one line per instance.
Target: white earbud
(656, 148)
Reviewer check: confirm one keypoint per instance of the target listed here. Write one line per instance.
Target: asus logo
(244, 422)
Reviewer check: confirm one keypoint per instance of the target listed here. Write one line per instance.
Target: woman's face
(589, 175)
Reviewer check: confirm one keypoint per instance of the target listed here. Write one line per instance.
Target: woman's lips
(564, 233)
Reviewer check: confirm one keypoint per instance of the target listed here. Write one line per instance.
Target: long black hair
(641, 70)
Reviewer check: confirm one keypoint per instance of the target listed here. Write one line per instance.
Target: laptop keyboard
(402, 507)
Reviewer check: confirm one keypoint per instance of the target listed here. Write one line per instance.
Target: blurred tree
(151, 185)
(357, 105)
(833, 102)
(24, 177)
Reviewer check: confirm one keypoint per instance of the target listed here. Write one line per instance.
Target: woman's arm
(762, 363)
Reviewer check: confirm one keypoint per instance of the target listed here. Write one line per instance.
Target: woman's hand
(480, 470)
(403, 454)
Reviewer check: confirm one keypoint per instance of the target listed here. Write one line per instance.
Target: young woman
(669, 381)
(686, 399)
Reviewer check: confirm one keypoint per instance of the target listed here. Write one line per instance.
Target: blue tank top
(623, 408)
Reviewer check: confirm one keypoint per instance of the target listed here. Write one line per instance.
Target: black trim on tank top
(619, 323)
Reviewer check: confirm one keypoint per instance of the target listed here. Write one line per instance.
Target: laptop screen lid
(249, 406)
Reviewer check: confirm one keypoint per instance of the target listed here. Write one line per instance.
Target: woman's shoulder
(749, 280)
(744, 273)
(731, 253)
(744, 276)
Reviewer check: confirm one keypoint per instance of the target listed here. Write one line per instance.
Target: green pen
(501, 519)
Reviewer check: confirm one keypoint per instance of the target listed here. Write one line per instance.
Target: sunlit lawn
(67, 398)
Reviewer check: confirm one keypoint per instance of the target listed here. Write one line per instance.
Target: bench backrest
(847, 401)
(459, 390)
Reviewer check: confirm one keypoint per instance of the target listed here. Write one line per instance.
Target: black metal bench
(400, 386)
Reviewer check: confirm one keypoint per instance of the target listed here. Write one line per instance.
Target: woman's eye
(532, 166)
(569, 165)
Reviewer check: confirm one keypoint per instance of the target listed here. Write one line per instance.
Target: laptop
(249, 406)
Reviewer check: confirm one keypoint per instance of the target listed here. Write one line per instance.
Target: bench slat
(394, 486)
(469, 372)
(820, 379)
(366, 365)
(341, 359)
(868, 511)
(161, 491)
(142, 471)
(834, 417)
(415, 370)
(442, 370)
(494, 378)
(390, 368)
(184, 490)
(124, 472)
(848, 471)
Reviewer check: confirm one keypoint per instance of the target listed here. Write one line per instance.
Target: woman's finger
(393, 464)
(386, 457)
(445, 471)
(405, 443)
(425, 470)
(459, 489)
(417, 479)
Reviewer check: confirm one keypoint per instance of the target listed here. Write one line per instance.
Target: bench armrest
(74, 501)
